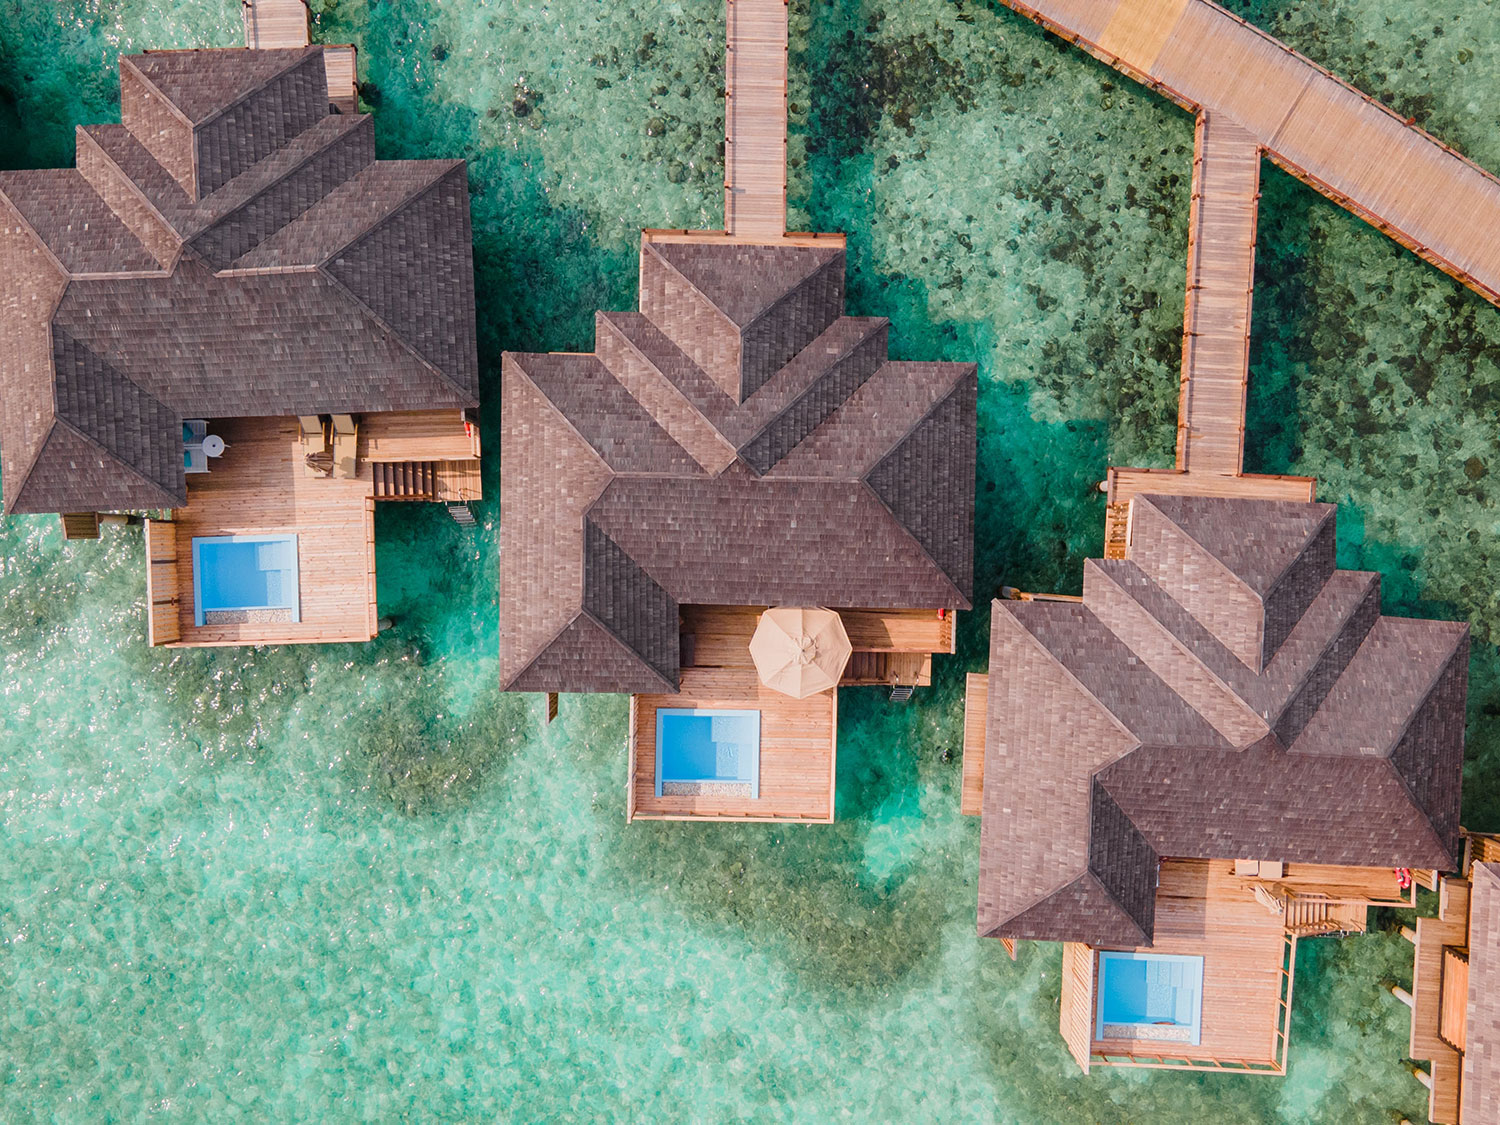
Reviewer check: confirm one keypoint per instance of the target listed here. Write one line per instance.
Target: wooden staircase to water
(448, 482)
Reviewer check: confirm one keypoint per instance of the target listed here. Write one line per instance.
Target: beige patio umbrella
(800, 652)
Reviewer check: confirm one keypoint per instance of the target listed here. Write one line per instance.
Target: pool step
(901, 693)
(461, 515)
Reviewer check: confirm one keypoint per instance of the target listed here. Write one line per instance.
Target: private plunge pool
(1150, 996)
(245, 579)
(707, 753)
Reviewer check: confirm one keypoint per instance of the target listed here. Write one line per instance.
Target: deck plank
(797, 751)
(259, 487)
(755, 119)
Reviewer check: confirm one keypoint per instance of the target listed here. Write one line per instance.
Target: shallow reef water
(358, 883)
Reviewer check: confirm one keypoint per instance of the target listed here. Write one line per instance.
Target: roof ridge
(930, 411)
(691, 284)
(583, 611)
(126, 465)
(307, 53)
(1175, 640)
(563, 414)
(629, 342)
(1460, 636)
(172, 107)
(967, 603)
(406, 201)
(36, 235)
(286, 174)
(1094, 699)
(133, 187)
(769, 309)
(388, 330)
(873, 323)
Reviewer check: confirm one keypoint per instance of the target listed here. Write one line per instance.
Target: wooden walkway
(798, 741)
(1320, 129)
(284, 23)
(275, 23)
(1220, 281)
(755, 119)
(1254, 95)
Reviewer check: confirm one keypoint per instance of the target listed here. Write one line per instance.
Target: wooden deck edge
(632, 730)
(725, 238)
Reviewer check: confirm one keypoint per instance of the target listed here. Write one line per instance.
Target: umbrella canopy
(800, 652)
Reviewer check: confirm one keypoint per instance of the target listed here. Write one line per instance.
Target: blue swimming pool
(1150, 996)
(701, 751)
(245, 574)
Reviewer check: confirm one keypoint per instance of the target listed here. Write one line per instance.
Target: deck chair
(314, 444)
(345, 438)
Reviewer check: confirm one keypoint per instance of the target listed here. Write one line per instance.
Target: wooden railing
(163, 595)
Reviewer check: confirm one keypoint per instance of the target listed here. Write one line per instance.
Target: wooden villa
(231, 317)
(1455, 993)
(1221, 748)
(736, 445)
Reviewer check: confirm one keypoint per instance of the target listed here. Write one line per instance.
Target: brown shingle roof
(1123, 730)
(1480, 1103)
(306, 277)
(636, 480)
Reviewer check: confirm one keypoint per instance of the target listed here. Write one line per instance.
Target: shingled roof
(738, 441)
(1220, 693)
(1480, 1091)
(232, 249)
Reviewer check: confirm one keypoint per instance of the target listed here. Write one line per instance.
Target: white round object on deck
(213, 445)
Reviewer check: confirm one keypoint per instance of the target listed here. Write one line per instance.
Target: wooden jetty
(284, 23)
(755, 119)
(1342, 142)
(1255, 96)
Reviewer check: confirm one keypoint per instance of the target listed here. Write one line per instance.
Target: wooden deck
(755, 119)
(891, 646)
(275, 23)
(259, 487)
(1342, 142)
(798, 741)
(419, 435)
(1433, 936)
(976, 712)
(1204, 909)
(284, 23)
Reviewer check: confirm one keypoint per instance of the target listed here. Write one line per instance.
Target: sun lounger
(314, 444)
(345, 438)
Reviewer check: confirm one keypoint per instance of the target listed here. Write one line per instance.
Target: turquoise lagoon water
(357, 883)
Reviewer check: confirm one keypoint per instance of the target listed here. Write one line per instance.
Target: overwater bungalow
(1455, 993)
(737, 502)
(1221, 748)
(231, 316)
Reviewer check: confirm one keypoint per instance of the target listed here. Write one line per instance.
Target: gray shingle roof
(1129, 710)
(801, 490)
(305, 277)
